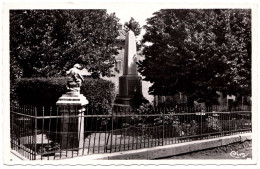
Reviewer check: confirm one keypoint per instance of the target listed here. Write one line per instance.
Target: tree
(132, 25)
(198, 52)
(48, 42)
(135, 27)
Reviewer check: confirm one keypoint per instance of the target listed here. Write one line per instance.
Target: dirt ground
(234, 151)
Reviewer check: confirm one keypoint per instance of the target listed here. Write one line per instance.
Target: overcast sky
(139, 13)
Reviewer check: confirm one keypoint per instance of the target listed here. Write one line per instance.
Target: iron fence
(46, 133)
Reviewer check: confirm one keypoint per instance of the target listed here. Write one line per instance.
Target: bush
(172, 104)
(138, 100)
(46, 91)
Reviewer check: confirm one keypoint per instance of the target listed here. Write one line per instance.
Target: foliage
(145, 108)
(45, 43)
(132, 25)
(138, 100)
(198, 52)
(46, 91)
(214, 123)
(170, 104)
(170, 120)
(187, 129)
(49, 149)
(135, 27)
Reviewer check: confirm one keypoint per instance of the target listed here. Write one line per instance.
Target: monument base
(72, 98)
(123, 100)
(71, 107)
(129, 85)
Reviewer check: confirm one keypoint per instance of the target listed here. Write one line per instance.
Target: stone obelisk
(129, 83)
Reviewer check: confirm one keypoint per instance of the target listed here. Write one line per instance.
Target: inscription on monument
(133, 86)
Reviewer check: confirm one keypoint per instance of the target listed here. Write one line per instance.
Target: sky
(139, 13)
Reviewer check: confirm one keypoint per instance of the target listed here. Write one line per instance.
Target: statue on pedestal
(75, 79)
(71, 106)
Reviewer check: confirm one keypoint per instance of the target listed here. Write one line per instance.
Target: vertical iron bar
(133, 132)
(42, 131)
(201, 126)
(31, 132)
(74, 119)
(35, 134)
(85, 127)
(124, 129)
(129, 119)
(120, 128)
(105, 145)
(56, 130)
(90, 132)
(66, 112)
(149, 132)
(112, 131)
(62, 121)
(137, 131)
(163, 125)
(49, 131)
(95, 132)
(229, 124)
(116, 127)
(102, 112)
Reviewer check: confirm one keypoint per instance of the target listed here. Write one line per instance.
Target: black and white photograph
(137, 82)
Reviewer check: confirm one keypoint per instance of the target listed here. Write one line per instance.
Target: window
(118, 66)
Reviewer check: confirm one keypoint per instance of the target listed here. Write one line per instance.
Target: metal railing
(46, 133)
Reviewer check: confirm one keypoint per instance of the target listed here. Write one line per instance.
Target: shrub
(214, 123)
(138, 100)
(172, 104)
(46, 91)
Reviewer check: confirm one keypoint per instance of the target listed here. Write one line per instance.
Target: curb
(169, 150)
(160, 151)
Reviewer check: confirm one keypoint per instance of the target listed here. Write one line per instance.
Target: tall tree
(47, 42)
(198, 52)
(135, 27)
(132, 25)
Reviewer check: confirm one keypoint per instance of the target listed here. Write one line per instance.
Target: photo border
(98, 5)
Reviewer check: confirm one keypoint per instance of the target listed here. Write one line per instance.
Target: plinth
(129, 85)
(71, 106)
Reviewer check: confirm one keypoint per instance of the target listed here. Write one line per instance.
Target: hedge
(46, 91)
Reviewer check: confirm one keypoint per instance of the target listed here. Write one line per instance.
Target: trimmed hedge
(46, 91)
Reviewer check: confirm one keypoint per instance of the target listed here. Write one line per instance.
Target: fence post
(112, 128)
(229, 123)
(163, 125)
(201, 125)
(35, 134)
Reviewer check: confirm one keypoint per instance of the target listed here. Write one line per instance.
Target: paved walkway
(244, 153)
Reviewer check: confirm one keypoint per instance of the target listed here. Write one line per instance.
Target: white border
(102, 5)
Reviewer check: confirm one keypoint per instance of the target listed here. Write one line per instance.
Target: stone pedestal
(129, 85)
(71, 107)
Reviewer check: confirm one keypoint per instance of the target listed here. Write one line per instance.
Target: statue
(75, 78)
(72, 105)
